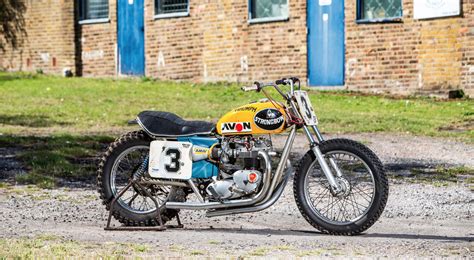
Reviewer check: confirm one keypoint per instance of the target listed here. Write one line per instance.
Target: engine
(239, 165)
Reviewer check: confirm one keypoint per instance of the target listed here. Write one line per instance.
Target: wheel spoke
(134, 199)
(348, 205)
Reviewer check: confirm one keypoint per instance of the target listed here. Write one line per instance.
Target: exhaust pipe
(231, 203)
(266, 204)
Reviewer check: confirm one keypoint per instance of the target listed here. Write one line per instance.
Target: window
(93, 9)
(167, 8)
(268, 10)
(379, 10)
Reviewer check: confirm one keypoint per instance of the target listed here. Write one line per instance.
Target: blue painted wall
(131, 37)
(325, 42)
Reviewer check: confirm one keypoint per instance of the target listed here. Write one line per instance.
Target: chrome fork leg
(331, 159)
(325, 167)
(320, 157)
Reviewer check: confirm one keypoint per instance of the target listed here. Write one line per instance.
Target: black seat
(160, 123)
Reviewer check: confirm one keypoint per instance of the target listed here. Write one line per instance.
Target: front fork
(336, 188)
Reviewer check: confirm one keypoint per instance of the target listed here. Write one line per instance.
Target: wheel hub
(345, 188)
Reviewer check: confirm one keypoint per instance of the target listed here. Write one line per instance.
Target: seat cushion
(159, 123)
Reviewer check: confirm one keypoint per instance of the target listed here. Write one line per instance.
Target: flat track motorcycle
(145, 177)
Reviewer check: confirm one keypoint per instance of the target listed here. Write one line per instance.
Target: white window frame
(170, 15)
(266, 19)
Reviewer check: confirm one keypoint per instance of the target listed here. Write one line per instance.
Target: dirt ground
(421, 219)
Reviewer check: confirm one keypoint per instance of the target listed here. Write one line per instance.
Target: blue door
(325, 42)
(131, 37)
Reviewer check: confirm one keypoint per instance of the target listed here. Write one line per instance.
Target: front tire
(112, 176)
(365, 182)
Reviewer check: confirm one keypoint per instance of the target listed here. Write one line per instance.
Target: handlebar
(257, 86)
(285, 81)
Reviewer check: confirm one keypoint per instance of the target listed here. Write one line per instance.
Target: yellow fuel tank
(255, 118)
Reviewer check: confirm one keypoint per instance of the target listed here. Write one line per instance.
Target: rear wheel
(364, 189)
(122, 158)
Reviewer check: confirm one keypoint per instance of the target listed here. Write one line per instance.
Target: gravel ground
(419, 220)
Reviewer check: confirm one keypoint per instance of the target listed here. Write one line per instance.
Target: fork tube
(322, 162)
(317, 152)
(318, 134)
(331, 159)
(310, 136)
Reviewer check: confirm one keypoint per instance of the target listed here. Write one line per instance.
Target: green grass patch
(77, 105)
(53, 247)
(53, 158)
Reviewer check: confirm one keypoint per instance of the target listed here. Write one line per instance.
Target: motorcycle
(145, 177)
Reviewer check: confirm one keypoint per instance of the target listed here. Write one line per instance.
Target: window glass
(377, 9)
(94, 9)
(268, 8)
(170, 6)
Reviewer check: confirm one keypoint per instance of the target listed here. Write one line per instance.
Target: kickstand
(179, 225)
(161, 227)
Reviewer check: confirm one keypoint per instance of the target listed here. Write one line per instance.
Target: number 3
(175, 155)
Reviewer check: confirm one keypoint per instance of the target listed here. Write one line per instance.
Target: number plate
(306, 109)
(170, 160)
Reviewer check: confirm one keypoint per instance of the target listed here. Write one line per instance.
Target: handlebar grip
(295, 79)
(281, 81)
(249, 88)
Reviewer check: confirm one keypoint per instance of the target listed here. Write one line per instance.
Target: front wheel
(364, 188)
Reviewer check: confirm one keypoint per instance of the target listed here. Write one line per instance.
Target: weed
(260, 251)
(140, 248)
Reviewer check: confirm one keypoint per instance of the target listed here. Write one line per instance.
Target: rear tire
(108, 190)
(313, 207)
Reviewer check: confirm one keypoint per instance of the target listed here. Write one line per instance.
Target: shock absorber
(141, 170)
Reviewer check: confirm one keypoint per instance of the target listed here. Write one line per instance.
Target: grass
(48, 104)
(61, 125)
(48, 246)
(265, 250)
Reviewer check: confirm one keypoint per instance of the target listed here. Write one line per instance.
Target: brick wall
(49, 45)
(96, 45)
(467, 48)
(216, 43)
(414, 56)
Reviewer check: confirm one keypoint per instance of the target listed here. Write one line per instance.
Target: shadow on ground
(31, 121)
(51, 161)
(266, 232)
(66, 160)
